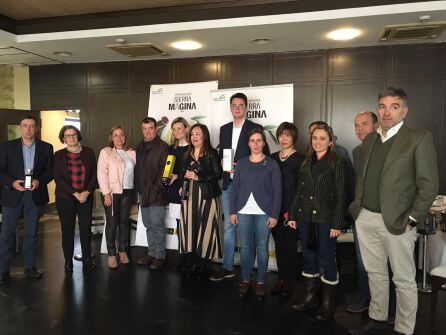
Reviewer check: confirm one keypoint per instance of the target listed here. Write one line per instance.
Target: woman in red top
(75, 177)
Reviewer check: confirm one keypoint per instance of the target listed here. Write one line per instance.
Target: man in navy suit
(233, 135)
(25, 155)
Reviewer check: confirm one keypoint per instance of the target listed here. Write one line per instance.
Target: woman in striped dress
(200, 208)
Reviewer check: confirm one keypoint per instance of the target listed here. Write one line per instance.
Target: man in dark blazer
(17, 158)
(395, 188)
(233, 135)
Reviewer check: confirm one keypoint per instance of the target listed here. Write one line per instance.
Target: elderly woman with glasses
(75, 177)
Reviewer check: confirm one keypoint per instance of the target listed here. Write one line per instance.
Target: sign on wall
(267, 105)
(191, 101)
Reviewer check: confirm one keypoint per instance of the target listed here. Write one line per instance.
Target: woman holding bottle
(200, 208)
(178, 148)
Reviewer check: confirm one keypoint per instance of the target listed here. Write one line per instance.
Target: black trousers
(68, 209)
(285, 239)
(117, 216)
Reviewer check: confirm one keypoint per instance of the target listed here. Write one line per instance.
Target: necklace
(284, 156)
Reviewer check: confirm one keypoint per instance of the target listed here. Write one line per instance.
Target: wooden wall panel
(331, 85)
(105, 110)
(245, 71)
(58, 86)
(417, 61)
(143, 73)
(345, 100)
(195, 70)
(300, 67)
(138, 107)
(309, 106)
(108, 75)
(360, 63)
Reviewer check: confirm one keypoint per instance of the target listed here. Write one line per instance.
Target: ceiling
(293, 31)
(32, 9)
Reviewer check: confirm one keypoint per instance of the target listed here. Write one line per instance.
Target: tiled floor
(135, 300)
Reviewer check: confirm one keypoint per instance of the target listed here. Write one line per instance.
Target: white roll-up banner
(204, 103)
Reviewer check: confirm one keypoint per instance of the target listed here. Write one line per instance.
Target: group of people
(285, 193)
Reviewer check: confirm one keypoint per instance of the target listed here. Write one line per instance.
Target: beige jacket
(111, 170)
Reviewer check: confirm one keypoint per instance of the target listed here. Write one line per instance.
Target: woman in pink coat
(116, 167)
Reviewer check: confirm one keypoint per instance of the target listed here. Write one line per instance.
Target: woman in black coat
(200, 209)
(318, 211)
(285, 237)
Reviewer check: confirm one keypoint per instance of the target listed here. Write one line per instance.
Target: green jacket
(409, 180)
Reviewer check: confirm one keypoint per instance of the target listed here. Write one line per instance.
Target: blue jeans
(153, 220)
(325, 256)
(230, 232)
(253, 232)
(10, 217)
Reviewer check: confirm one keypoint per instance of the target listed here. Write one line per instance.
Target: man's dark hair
(393, 92)
(29, 117)
(149, 119)
(65, 128)
(318, 123)
(374, 117)
(239, 96)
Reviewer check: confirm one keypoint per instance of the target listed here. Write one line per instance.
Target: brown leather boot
(145, 260)
(311, 295)
(157, 264)
(327, 308)
(244, 288)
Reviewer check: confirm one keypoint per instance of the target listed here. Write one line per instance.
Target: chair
(438, 279)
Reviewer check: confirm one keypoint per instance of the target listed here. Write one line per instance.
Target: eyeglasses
(238, 107)
(393, 107)
(70, 135)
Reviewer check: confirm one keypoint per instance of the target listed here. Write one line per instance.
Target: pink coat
(111, 170)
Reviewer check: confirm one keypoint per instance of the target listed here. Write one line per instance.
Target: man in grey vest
(396, 185)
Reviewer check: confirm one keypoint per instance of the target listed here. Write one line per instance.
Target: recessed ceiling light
(261, 41)
(186, 45)
(343, 34)
(62, 53)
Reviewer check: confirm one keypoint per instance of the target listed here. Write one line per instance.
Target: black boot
(88, 265)
(68, 266)
(311, 295)
(327, 308)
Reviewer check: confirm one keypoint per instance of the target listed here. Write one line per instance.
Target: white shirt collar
(239, 127)
(390, 133)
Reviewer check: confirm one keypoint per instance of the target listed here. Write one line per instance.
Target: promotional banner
(191, 101)
(268, 106)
